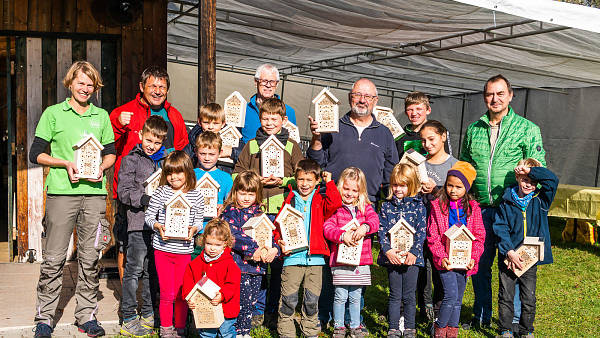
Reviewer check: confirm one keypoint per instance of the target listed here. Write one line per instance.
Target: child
(208, 148)
(272, 116)
(349, 280)
(306, 265)
(434, 137)
(404, 203)
(136, 167)
(242, 204)
(416, 108)
(454, 206)
(216, 263)
(522, 212)
(211, 118)
(172, 255)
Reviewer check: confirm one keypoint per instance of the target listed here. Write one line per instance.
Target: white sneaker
(401, 324)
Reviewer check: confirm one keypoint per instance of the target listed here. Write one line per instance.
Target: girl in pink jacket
(454, 207)
(349, 279)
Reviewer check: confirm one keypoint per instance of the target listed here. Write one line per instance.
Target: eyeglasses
(366, 96)
(271, 83)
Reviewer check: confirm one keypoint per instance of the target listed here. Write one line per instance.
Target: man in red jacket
(127, 122)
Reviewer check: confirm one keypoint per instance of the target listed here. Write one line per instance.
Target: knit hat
(465, 173)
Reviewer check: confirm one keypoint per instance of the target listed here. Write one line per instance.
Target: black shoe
(92, 328)
(43, 331)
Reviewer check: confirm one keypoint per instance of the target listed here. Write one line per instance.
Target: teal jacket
(518, 139)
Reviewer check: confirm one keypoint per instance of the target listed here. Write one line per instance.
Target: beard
(360, 112)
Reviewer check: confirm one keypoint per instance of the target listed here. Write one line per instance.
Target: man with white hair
(266, 80)
(361, 142)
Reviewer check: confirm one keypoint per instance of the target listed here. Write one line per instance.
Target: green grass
(568, 295)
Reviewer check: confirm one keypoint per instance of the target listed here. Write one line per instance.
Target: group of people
(350, 177)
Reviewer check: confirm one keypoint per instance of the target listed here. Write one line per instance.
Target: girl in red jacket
(216, 263)
(350, 280)
(454, 206)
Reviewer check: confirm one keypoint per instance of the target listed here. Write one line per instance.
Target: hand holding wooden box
(459, 244)
(206, 315)
(350, 255)
(327, 112)
(177, 218)
(413, 157)
(291, 224)
(402, 237)
(530, 251)
(88, 157)
(260, 228)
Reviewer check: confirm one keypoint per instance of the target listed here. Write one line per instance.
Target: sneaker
(401, 324)
(357, 333)
(168, 332)
(410, 333)
(134, 328)
(393, 333)
(505, 334)
(339, 332)
(91, 328)
(43, 331)
(148, 322)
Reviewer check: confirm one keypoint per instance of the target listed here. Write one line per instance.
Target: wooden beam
(64, 59)
(207, 28)
(155, 33)
(21, 147)
(132, 51)
(35, 175)
(94, 56)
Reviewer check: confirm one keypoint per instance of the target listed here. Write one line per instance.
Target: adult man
(127, 122)
(494, 144)
(266, 80)
(361, 142)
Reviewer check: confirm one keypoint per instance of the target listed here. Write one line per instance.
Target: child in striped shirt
(173, 255)
(347, 279)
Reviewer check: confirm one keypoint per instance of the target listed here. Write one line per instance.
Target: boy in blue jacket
(522, 212)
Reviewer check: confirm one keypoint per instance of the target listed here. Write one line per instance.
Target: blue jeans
(403, 285)
(343, 294)
(454, 283)
(482, 281)
(226, 330)
(517, 306)
(140, 264)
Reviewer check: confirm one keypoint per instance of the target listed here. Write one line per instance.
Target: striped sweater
(157, 208)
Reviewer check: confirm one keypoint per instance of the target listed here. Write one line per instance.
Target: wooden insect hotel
(293, 130)
(327, 112)
(209, 189)
(235, 109)
(206, 315)
(230, 136)
(350, 255)
(260, 228)
(177, 218)
(413, 157)
(386, 117)
(272, 157)
(459, 244)
(402, 237)
(291, 225)
(531, 251)
(152, 183)
(88, 157)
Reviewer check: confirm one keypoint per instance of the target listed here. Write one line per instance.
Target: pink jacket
(333, 232)
(437, 225)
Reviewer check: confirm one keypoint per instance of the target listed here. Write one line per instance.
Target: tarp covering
(297, 32)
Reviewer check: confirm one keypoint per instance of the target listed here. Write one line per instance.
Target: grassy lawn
(568, 295)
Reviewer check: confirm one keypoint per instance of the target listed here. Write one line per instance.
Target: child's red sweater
(224, 272)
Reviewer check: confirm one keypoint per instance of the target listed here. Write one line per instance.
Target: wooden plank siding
(50, 35)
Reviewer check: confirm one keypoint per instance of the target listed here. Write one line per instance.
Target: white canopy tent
(445, 48)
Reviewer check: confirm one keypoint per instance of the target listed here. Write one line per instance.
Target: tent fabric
(307, 31)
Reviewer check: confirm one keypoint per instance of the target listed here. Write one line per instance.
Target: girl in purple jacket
(349, 280)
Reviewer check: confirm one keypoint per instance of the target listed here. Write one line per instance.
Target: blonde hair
(87, 69)
(211, 112)
(405, 174)
(416, 98)
(245, 181)
(530, 163)
(209, 139)
(355, 174)
(176, 162)
(218, 228)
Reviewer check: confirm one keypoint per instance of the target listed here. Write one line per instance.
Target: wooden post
(21, 148)
(207, 28)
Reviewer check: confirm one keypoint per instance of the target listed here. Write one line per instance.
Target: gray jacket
(136, 167)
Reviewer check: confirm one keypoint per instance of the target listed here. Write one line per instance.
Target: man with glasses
(266, 80)
(361, 142)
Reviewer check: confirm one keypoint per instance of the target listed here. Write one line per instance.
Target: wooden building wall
(50, 35)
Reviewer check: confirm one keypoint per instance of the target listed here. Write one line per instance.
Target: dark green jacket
(518, 139)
